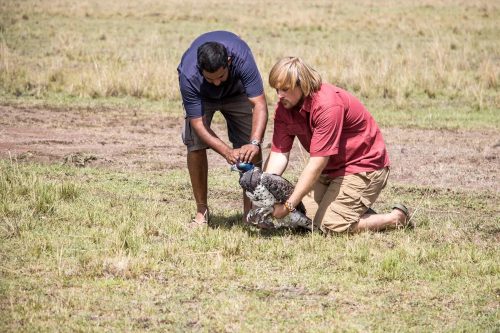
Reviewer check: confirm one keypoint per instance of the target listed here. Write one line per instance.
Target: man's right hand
(208, 136)
(231, 155)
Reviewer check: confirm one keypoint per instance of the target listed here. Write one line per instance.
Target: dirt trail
(131, 140)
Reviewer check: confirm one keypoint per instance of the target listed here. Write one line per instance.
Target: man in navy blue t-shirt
(218, 72)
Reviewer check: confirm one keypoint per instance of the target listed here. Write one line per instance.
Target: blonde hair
(290, 72)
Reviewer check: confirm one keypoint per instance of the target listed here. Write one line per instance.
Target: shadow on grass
(236, 221)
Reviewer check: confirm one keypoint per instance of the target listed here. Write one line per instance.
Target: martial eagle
(264, 190)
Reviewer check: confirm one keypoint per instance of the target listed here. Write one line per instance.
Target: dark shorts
(236, 110)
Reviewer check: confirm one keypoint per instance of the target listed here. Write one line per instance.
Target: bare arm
(259, 122)
(276, 163)
(212, 140)
(307, 178)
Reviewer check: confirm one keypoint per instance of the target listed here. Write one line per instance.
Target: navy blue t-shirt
(244, 76)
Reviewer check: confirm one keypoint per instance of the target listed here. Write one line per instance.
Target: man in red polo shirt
(348, 165)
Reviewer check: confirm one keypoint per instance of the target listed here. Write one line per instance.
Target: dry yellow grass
(395, 50)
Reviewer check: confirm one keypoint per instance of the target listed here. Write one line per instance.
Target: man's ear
(229, 60)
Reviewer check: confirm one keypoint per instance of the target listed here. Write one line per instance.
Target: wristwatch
(255, 142)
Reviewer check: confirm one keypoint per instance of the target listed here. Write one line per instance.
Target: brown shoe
(407, 222)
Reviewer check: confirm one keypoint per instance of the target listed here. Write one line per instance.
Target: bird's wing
(280, 188)
(301, 208)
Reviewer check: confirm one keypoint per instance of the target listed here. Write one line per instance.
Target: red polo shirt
(332, 122)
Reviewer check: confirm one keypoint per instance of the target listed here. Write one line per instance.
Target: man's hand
(231, 155)
(247, 152)
(212, 140)
(280, 211)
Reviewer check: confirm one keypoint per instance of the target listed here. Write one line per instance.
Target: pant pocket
(186, 134)
(350, 204)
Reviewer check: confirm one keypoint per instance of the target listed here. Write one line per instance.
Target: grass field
(101, 249)
(88, 249)
(396, 55)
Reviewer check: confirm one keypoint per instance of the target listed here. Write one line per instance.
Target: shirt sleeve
(250, 76)
(326, 132)
(282, 140)
(191, 98)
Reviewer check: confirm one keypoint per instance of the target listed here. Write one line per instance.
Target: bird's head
(242, 167)
(251, 179)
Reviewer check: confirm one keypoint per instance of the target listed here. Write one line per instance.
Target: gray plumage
(264, 190)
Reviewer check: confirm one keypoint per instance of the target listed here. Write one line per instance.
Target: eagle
(264, 190)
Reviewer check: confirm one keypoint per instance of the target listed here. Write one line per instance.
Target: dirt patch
(130, 140)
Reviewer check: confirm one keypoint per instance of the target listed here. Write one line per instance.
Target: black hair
(212, 56)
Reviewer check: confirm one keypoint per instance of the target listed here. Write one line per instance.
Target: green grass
(88, 249)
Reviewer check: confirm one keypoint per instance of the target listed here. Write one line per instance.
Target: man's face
(217, 77)
(289, 98)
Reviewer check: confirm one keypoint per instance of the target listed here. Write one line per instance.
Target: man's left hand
(280, 211)
(247, 153)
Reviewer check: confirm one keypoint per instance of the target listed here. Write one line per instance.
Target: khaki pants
(338, 203)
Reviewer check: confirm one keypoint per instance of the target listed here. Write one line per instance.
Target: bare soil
(132, 140)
